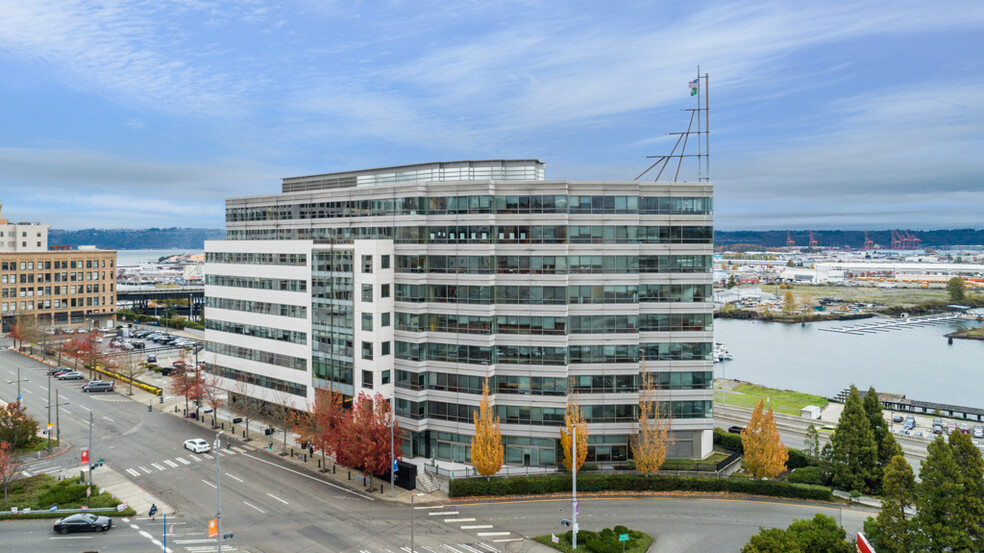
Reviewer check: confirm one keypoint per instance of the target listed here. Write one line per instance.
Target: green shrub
(63, 493)
(728, 440)
(797, 459)
(806, 475)
(598, 482)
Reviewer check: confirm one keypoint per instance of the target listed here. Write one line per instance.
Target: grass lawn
(605, 541)
(40, 492)
(783, 401)
(40, 444)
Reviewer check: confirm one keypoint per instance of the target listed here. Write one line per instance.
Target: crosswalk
(450, 515)
(109, 397)
(477, 547)
(178, 462)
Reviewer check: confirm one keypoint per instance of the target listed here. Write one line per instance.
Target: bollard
(333, 467)
(305, 457)
(382, 487)
(150, 406)
(319, 463)
(350, 475)
(244, 433)
(223, 426)
(160, 399)
(291, 453)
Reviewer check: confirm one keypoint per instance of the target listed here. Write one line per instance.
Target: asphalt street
(273, 506)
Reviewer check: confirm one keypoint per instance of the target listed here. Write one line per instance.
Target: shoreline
(749, 315)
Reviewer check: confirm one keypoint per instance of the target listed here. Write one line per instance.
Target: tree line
(851, 238)
(136, 239)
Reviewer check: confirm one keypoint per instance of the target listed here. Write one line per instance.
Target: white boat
(721, 353)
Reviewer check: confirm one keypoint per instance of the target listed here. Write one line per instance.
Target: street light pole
(218, 491)
(18, 381)
(574, 486)
(392, 457)
(90, 448)
(57, 423)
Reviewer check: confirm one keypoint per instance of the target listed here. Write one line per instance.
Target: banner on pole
(213, 528)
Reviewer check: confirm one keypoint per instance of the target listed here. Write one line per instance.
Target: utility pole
(412, 509)
(392, 457)
(57, 423)
(18, 381)
(218, 491)
(574, 486)
(90, 448)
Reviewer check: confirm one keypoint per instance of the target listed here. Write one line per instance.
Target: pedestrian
(153, 511)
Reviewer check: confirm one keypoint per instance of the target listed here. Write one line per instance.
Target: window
(386, 348)
(384, 290)
(367, 350)
(367, 322)
(384, 262)
(367, 379)
(367, 292)
(366, 263)
(386, 378)
(384, 319)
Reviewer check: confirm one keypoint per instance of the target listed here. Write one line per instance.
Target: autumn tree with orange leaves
(320, 427)
(573, 418)
(486, 445)
(765, 454)
(365, 443)
(649, 446)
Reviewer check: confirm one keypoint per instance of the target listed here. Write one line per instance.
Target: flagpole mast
(707, 121)
(699, 165)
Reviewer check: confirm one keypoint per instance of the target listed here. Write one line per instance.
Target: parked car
(71, 375)
(910, 423)
(964, 428)
(950, 426)
(937, 429)
(152, 359)
(55, 371)
(168, 371)
(197, 445)
(897, 418)
(978, 431)
(139, 345)
(98, 386)
(735, 429)
(82, 522)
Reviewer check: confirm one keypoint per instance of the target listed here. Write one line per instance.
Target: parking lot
(924, 426)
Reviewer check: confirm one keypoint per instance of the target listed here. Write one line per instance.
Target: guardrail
(469, 472)
(65, 511)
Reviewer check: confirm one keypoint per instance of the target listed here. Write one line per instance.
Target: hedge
(560, 483)
(152, 389)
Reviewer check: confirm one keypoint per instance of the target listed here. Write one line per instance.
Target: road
(273, 506)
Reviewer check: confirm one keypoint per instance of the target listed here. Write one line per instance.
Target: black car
(82, 522)
(735, 429)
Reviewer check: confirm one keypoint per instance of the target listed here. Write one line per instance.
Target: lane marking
(476, 526)
(469, 548)
(805, 504)
(233, 477)
(203, 540)
(84, 407)
(72, 538)
(255, 507)
(28, 391)
(493, 533)
(430, 507)
(195, 459)
(446, 546)
(67, 412)
(507, 540)
(145, 534)
(109, 419)
(277, 498)
(25, 473)
(145, 469)
(489, 547)
(45, 388)
(182, 460)
(208, 456)
(346, 490)
(459, 520)
(169, 463)
(156, 466)
(133, 472)
(209, 483)
(444, 513)
(239, 449)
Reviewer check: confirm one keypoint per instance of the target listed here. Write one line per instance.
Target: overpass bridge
(139, 299)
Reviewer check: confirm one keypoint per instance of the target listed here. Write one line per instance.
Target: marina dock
(886, 325)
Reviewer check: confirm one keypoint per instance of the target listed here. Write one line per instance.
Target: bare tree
(128, 365)
(283, 413)
(9, 466)
(244, 405)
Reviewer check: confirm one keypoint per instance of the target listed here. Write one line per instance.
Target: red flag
(85, 456)
(88, 491)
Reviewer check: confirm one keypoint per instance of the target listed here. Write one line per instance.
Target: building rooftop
(438, 171)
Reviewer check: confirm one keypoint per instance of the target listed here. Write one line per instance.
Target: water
(139, 257)
(916, 361)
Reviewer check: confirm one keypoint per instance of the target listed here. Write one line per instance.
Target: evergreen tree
(820, 534)
(772, 540)
(956, 288)
(873, 408)
(969, 509)
(936, 498)
(890, 532)
(888, 449)
(854, 453)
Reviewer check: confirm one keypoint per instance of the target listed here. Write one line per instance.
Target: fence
(64, 511)
(469, 472)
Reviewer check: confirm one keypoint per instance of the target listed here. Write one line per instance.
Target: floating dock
(886, 325)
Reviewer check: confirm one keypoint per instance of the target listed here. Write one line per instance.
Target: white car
(197, 445)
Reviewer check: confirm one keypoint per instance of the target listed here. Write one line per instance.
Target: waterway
(916, 362)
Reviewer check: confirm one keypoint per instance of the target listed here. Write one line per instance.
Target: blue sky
(823, 114)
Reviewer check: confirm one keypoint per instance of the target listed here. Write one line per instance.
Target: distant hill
(137, 239)
(852, 238)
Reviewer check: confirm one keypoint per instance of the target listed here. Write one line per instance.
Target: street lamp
(58, 426)
(218, 491)
(18, 381)
(573, 435)
(412, 509)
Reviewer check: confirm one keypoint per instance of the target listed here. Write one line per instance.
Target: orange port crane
(813, 242)
(869, 244)
(789, 241)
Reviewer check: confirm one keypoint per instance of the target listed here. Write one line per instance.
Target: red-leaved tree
(188, 387)
(365, 436)
(9, 465)
(321, 425)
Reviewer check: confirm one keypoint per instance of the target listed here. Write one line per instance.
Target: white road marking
(109, 419)
(72, 538)
(156, 466)
(432, 550)
(233, 477)
(134, 526)
(28, 391)
(443, 513)
(84, 407)
(145, 469)
(449, 547)
(182, 460)
(171, 464)
(203, 540)
(507, 540)
(459, 520)
(467, 547)
(208, 456)
(146, 535)
(407, 550)
(67, 412)
(492, 533)
(133, 472)
(196, 459)
(476, 526)
(255, 507)
(346, 490)
(45, 388)
(239, 449)
(228, 451)
(25, 473)
(277, 498)
(430, 507)
(207, 482)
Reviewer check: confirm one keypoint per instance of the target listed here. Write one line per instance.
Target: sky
(824, 115)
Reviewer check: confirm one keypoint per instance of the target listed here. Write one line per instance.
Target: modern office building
(420, 281)
(57, 286)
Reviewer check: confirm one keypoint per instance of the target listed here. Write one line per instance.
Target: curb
(53, 455)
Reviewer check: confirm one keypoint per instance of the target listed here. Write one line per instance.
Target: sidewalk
(121, 487)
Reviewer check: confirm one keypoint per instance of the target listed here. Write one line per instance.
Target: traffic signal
(565, 522)
(227, 536)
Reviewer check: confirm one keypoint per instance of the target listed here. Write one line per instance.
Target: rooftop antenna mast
(703, 148)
